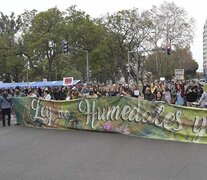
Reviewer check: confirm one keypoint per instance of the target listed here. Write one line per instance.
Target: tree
(11, 61)
(42, 41)
(179, 59)
(83, 34)
(110, 41)
(172, 27)
(129, 29)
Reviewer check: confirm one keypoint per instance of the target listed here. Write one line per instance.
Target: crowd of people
(179, 93)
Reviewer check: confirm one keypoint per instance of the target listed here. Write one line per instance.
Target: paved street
(41, 154)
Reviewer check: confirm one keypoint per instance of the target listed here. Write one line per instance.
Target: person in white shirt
(47, 94)
(31, 94)
(202, 103)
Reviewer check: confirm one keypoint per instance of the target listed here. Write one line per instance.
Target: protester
(68, 96)
(18, 93)
(62, 93)
(92, 94)
(135, 92)
(74, 93)
(144, 88)
(56, 93)
(46, 94)
(202, 103)
(159, 96)
(31, 93)
(153, 88)
(199, 91)
(6, 105)
(148, 95)
(167, 95)
(191, 94)
(179, 93)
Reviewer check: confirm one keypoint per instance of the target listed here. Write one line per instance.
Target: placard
(67, 81)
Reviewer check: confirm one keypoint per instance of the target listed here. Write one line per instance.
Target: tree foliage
(127, 42)
(12, 65)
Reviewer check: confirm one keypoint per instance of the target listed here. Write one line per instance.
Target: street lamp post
(87, 61)
(28, 67)
(128, 70)
(87, 64)
(87, 67)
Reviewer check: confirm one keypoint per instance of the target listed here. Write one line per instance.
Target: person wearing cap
(202, 103)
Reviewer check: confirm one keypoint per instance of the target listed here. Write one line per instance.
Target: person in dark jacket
(148, 95)
(6, 104)
(199, 92)
(191, 94)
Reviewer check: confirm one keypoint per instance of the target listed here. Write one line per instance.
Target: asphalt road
(41, 154)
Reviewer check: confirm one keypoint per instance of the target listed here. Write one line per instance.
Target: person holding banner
(202, 103)
(18, 93)
(6, 105)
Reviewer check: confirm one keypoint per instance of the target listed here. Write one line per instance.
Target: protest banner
(124, 115)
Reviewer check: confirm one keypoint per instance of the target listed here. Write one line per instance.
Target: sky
(96, 8)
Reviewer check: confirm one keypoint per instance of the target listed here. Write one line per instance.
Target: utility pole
(66, 48)
(87, 67)
(128, 69)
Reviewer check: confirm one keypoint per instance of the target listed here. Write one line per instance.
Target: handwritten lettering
(199, 127)
(43, 113)
(158, 116)
(132, 114)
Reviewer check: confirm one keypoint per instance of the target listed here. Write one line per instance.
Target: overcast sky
(96, 8)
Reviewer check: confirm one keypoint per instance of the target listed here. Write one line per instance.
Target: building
(205, 50)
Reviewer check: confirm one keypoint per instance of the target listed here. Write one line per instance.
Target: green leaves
(36, 38)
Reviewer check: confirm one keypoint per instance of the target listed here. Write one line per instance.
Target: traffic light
(168, 50)
(90, 73)
(65, 47)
